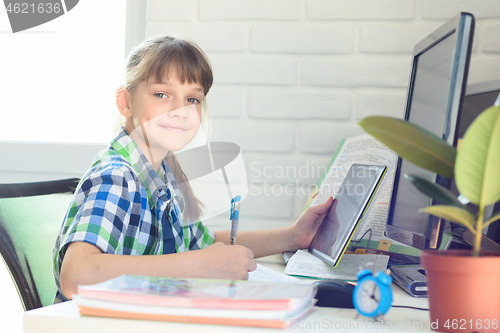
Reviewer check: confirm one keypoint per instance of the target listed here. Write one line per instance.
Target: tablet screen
(350, 204)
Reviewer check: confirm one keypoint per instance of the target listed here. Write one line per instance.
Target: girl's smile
(173, 128)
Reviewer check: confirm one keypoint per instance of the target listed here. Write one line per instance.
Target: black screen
(436, 89)
(428, 109)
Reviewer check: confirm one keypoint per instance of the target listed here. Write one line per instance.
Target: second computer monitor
(435, 92)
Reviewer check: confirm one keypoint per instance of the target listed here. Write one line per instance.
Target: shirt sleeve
(198, 236)
(105, 203)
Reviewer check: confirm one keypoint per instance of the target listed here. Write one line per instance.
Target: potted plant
(463, 286)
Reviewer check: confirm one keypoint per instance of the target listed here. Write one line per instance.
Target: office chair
(31, 215)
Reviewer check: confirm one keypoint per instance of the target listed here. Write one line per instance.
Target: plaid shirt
(123, 206)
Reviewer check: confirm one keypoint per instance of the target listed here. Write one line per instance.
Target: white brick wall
(307, 39)
(235, 10)
(212, 37)
(363, 71)
(305, 104)
(255, 70)
(392, 37)
(171, 10)
(263, 136)
(322, 137)
(360, 9)
(492, 36)
(380, 102)
(226, 102)
(293, 77)
(443, 9)
(266, 168)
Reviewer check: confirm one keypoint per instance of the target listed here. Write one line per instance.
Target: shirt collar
(157, 184)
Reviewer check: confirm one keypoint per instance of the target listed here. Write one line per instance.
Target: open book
(303, 263)
(364, 149)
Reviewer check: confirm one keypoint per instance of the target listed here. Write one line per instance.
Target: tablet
(351, 203)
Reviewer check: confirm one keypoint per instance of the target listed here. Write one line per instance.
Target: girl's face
(164, 115)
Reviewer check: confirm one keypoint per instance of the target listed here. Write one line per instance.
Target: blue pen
(235, 216)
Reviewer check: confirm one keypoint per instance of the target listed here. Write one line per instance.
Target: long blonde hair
(157, 58)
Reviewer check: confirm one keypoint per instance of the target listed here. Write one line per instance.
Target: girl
(127, 212)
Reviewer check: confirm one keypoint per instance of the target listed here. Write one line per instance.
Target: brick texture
(225, 102)
(299, 104)
(445, 9)
(302, 39)
(235, 10)
(324, 138)
(357, 72)
(492, 39)
(171, 10)
(381, 103)
(392, 38)
(253, 70)
(294, 77)
(211, 37)
(284, 169)
(256, 136)
(360, 9)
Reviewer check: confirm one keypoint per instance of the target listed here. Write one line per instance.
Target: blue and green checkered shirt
(123, 206)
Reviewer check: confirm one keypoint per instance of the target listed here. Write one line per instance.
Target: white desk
(64, 317)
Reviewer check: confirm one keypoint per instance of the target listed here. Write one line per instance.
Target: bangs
(185, 61)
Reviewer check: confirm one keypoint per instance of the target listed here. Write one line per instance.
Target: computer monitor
(435, 92)
(478, 97)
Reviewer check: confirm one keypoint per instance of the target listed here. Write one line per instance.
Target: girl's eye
(193, 100)
(161, 95)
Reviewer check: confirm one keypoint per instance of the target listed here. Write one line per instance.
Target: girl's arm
(290, 238)
(85, 264)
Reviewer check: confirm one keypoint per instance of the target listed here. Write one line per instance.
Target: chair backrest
(31, 215)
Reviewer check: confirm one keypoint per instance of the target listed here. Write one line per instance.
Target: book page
(263, 273)
(376, 219)
(363, 149)
(302, 263)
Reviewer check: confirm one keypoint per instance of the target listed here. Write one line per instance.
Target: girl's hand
(231, 262)
(304, 229)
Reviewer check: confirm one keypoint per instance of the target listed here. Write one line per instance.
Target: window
(58, 79)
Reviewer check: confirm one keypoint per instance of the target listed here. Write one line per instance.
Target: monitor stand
(487, 244)
(407, 273)
(411, 278)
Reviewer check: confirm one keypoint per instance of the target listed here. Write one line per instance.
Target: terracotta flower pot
(464, 291)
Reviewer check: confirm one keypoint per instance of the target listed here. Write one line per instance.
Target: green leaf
(492, 219)
(436, 192)
(478, 159)
(413, 143)
(454, 214)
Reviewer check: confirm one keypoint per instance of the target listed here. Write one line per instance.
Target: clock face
(368, 296)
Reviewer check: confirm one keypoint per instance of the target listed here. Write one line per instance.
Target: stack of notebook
(204, 301)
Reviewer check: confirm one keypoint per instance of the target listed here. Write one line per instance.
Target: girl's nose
(179, 111)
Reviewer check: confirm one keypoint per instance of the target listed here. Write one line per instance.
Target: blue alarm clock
(372, 296)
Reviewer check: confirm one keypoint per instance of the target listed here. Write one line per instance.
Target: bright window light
(58, 80)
